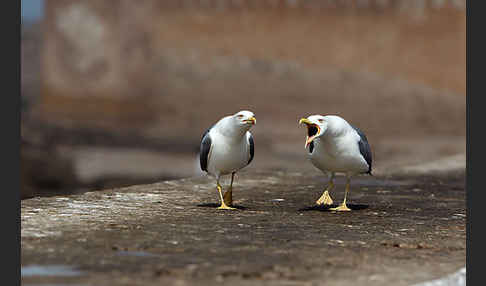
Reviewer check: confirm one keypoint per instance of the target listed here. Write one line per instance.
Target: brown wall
(134, 62)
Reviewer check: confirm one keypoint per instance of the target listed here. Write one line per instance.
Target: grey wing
(364, 148)
(252, 147)
(205, 149)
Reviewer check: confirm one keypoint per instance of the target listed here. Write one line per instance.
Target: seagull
(335, 146)
(227, 147)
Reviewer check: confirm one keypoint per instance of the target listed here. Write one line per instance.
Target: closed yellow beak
(251, 120)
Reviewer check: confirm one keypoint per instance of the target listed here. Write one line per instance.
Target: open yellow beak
(251, 120)
(309, 123)
(305, 120)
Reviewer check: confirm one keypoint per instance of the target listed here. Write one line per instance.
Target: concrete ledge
(402, 231)
(456, 279)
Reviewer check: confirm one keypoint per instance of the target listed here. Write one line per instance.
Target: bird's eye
(240, 116)
(320, 120)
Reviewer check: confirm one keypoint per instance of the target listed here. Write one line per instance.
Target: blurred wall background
(120, 92)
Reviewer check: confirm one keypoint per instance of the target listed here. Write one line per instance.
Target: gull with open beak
(335, 146)
(227, 147)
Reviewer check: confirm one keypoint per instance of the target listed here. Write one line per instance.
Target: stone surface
(456, 279)
(403, 230)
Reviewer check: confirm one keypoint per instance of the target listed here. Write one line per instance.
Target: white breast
(338, 154)
(227, 156)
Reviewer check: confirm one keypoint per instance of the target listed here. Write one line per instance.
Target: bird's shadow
(323, 208)
(215, 206)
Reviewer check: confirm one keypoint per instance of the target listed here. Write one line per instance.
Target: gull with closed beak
(227, 147)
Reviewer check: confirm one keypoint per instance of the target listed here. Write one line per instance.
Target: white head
(316, 127)
(329, 125)
(236, 125)
(244, 118)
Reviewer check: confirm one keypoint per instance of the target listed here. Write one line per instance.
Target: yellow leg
(343, 206)
(223, 205)
(326, 198)
(228, 195)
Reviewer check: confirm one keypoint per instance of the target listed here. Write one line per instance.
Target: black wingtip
(368, 173)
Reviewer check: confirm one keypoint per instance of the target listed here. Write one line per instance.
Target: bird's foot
(225, 207)
(228, 198)
(325, 199)
(342, 207)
